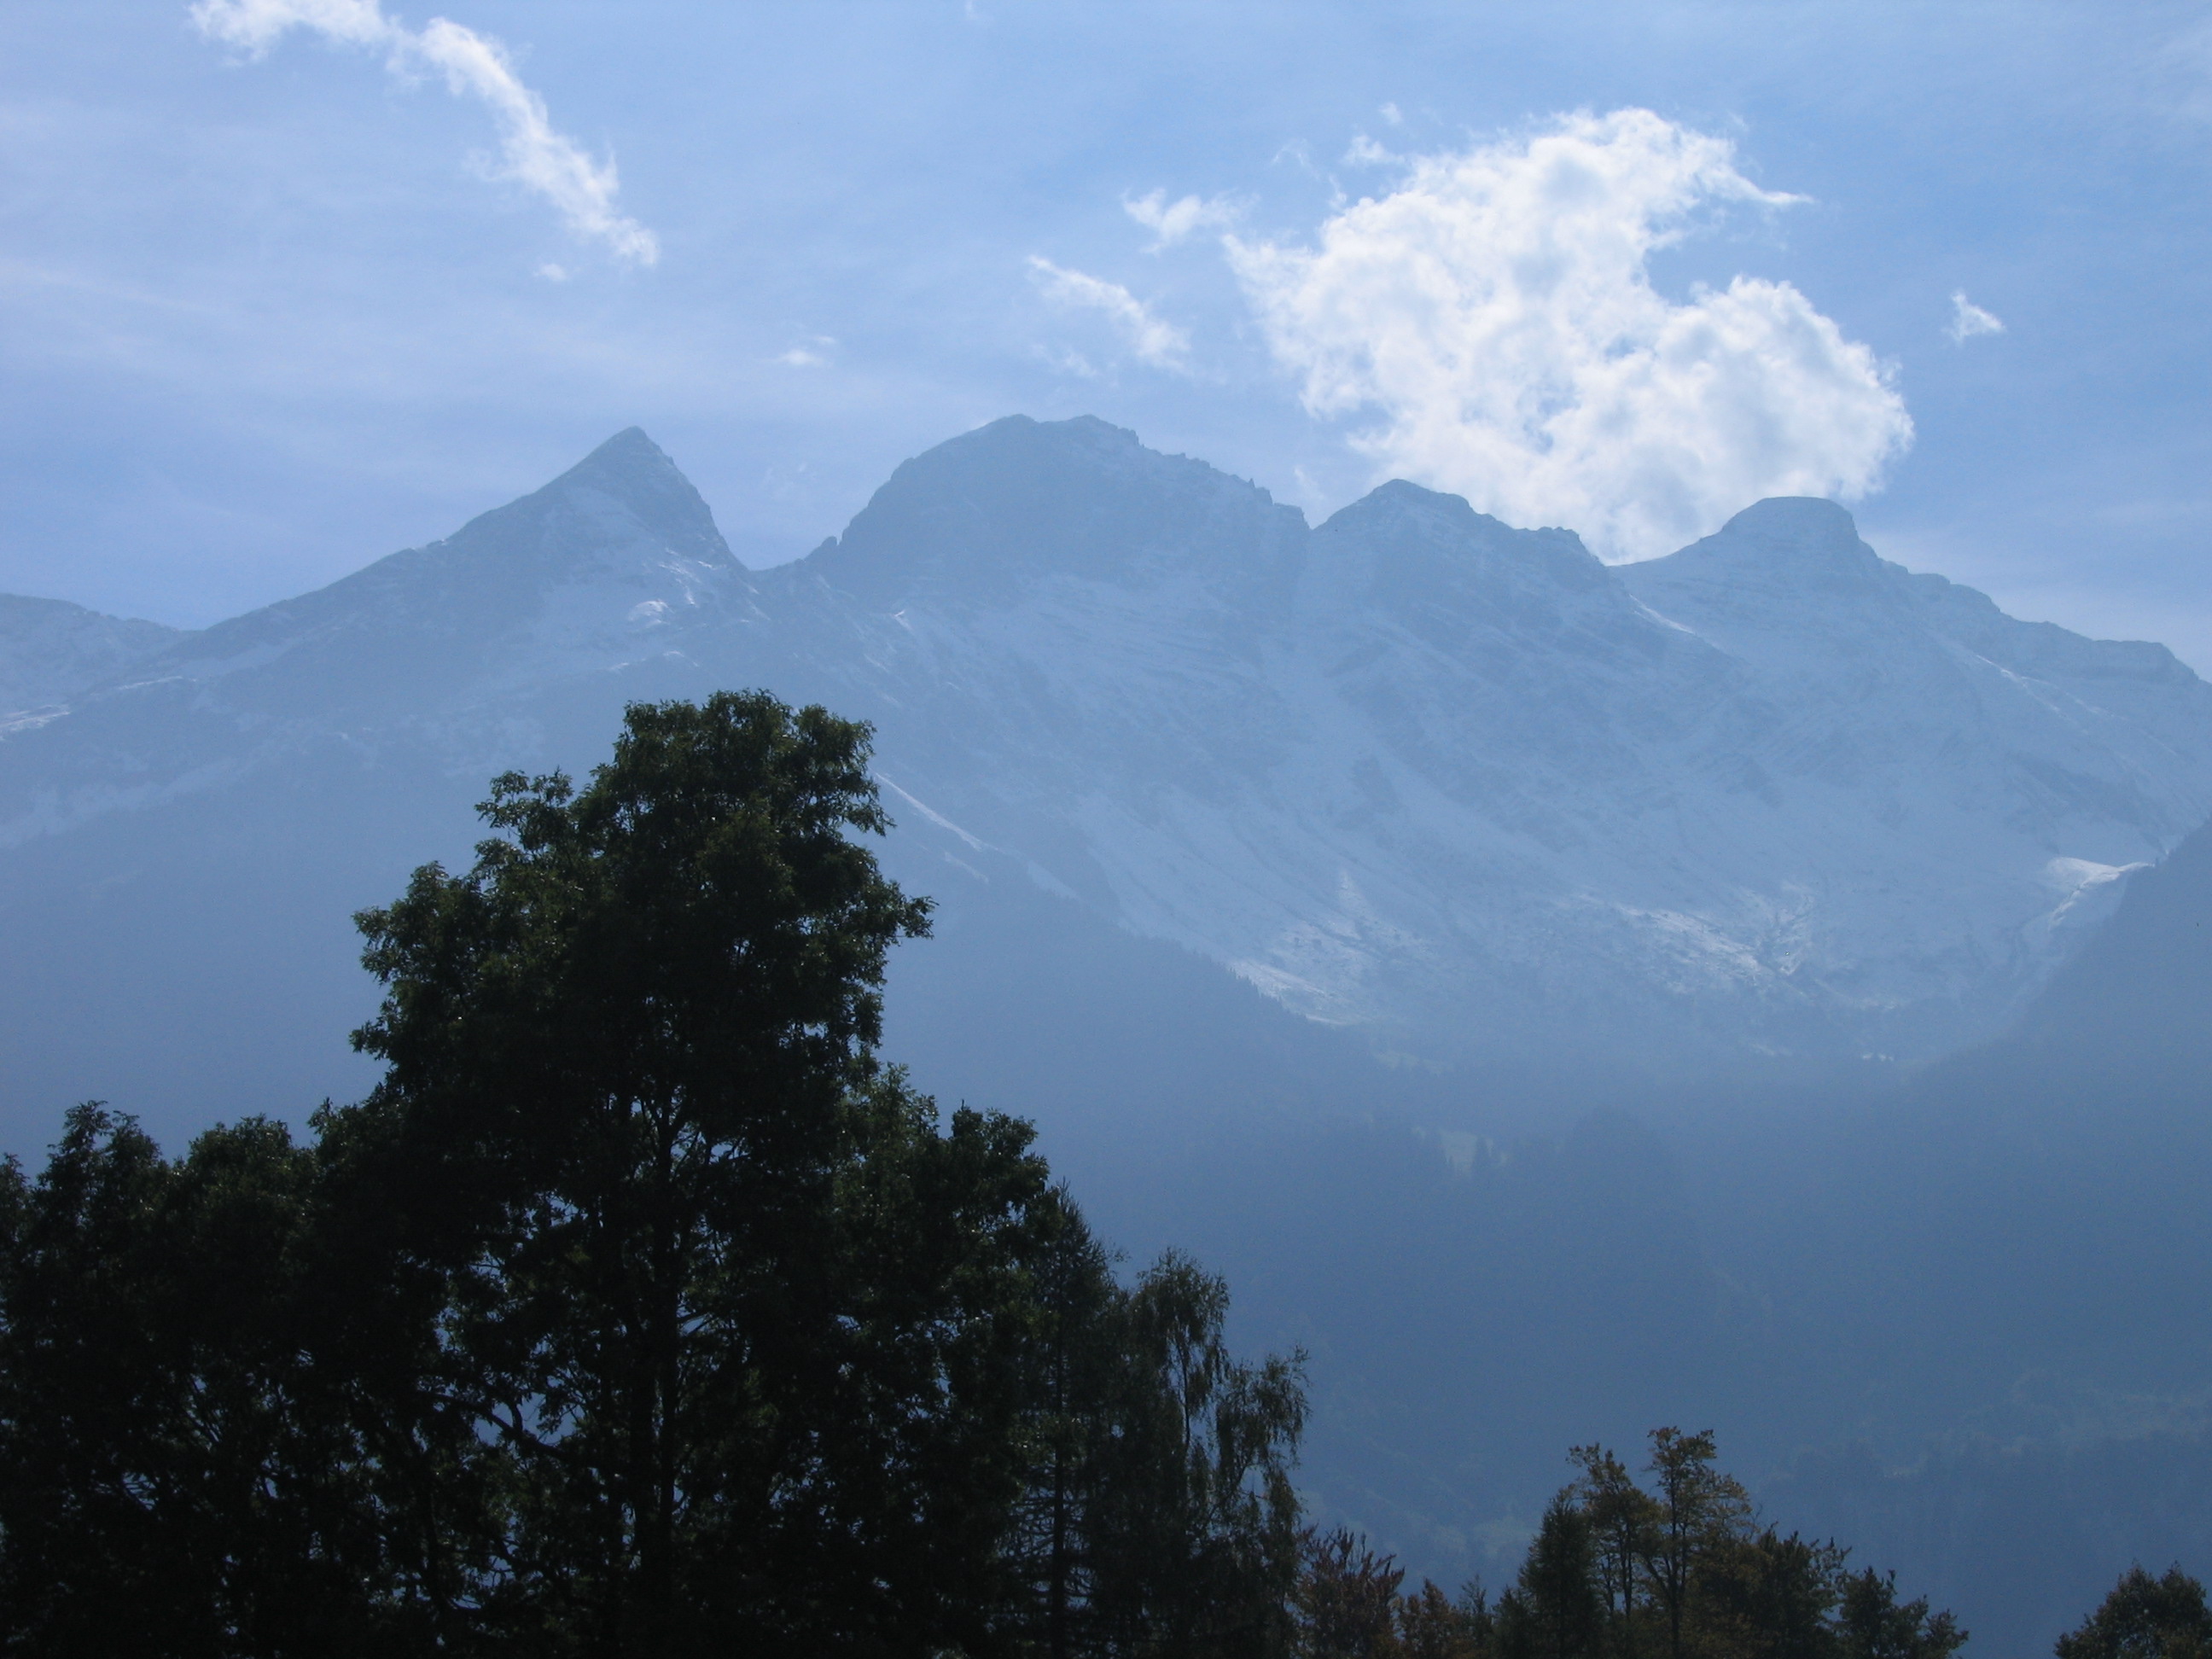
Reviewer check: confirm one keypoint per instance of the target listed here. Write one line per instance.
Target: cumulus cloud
(1157, 342)
(532, 153)
(1170, 222)
(1968, 320)
(1495, 313)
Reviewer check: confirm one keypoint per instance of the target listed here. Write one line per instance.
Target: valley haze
(1551, 990)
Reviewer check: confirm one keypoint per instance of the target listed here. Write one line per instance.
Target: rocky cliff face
(1463, 784)
(1413, 771)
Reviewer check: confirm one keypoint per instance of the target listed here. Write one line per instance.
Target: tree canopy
(640, 1311)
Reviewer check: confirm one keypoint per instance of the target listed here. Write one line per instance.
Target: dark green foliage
(724, 1308)
(1430, 1627)
(1614, 1570)
(638, 1311)
(1624, 1524)
(1765, 1596)
(2145, 1617)
(1554, 1610)
(1698, 1513)
(176, 1476)
(1158, 1516)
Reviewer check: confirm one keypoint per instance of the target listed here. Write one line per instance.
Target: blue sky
(264, 317)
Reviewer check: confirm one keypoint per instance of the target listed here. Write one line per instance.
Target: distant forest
(641, 1310)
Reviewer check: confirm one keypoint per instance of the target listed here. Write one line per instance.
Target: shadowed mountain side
(2127, 1022)
(1990, 1281)
(2022, 1538)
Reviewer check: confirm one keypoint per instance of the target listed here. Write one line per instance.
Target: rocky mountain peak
(986, 514)
(625, 493)
(1785, 546)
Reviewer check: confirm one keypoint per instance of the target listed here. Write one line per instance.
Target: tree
(2144, 1618)
(740, 1326)
(1623, 1521)
(1346, 1600)
(1076, 1353)
(176, 1476)
(1430, 1625)
(1193, 1526)
(1699, 1508)
(1554, 1610)
(1767, 1596)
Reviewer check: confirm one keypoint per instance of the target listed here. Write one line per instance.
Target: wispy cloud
(532, 153)
(1496, 311)
(812, 354)
(1157, 342)
(1968, 320)
(1170, 222)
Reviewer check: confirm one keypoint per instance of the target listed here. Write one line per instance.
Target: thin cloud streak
(1157, 342)
(533, 154)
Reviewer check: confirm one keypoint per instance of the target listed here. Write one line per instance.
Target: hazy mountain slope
(1465, 785)
(50, 650)
(180, 854)
(1453, 784)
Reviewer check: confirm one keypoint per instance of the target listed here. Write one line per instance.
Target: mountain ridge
(1411, 770)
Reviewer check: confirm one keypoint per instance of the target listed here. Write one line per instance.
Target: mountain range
(1458, 787)
(1763, 988)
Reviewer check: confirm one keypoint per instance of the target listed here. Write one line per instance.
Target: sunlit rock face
(1459, 786)
(1466, 786)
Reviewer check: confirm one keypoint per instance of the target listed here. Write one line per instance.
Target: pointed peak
(630, 441)
(629, 453)
(636, 475)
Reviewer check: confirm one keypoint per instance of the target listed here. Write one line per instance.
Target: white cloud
(1157, 342)
(1495, 311)
(532, 153)
(1170, 222)
(1365, 152)
(1968, 320)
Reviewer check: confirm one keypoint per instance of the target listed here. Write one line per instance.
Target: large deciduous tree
(740, 1325)
(638, 1311)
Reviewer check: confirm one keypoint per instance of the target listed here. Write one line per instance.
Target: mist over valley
(1760, 987)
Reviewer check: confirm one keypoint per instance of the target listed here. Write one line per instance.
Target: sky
(286, 285)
